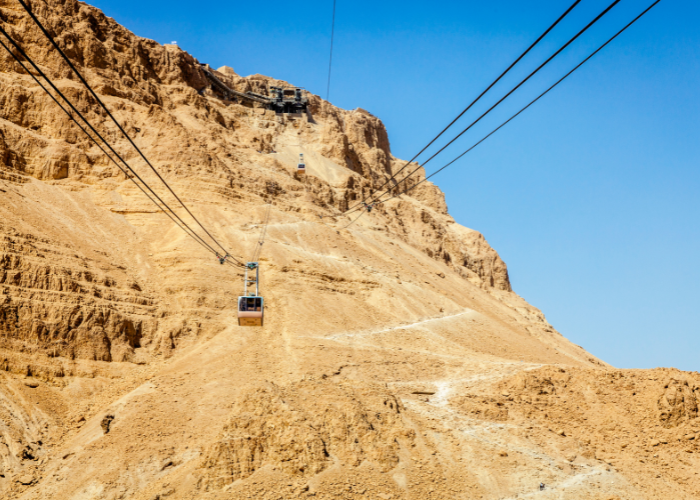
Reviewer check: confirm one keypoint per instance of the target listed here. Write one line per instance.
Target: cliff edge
(395, 362)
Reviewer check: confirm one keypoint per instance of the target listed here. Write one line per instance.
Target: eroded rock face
(679, 403)
(202, 143)
(57, 303)
(607, 409)
(123, 64)
(23, 432)
(306, 427)
(395, 361)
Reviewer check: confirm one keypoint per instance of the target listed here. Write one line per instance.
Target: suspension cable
(191, 232)
(125, 172)
(522, 82)
(82, 79)
(528, 105)
(330, 60)
(539, 39)
(354, 220)
(263, 233)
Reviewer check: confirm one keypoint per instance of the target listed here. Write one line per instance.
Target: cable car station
(289, 101)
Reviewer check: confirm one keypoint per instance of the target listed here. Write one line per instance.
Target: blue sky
(591, 196)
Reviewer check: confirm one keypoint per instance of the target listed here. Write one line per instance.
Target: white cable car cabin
(301, 166)
(251, 307)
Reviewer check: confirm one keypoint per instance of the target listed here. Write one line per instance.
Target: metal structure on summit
(229, 92)
(290, 101)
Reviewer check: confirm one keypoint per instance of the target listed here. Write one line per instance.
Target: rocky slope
(395, 362)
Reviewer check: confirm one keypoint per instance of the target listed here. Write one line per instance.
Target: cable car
(301, 166)
(250, 311)
(251, 306)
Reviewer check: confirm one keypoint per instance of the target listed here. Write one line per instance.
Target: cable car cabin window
(251, 304)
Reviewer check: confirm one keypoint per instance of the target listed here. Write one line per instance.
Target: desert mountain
(395, 362)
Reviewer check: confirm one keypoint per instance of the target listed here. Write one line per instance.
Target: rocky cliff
(395, 360)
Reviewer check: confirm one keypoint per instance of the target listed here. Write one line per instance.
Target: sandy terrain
(396, 362)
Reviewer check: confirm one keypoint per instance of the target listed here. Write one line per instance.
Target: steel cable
(527, 106)
(80, 76)
(330, 60)
(522, 82)
(539, 39)
(189, 230)
(354, 220)
(261, 238)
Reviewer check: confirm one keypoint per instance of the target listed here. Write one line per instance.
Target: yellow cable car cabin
(251, 306)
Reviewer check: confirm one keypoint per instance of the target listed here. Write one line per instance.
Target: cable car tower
(251, 305)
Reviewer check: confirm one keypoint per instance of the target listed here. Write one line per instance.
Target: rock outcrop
(306, 428)
(395, 361)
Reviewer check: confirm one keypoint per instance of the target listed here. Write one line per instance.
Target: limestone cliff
(395, 360)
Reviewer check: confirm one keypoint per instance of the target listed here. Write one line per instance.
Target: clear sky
(591, 196)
